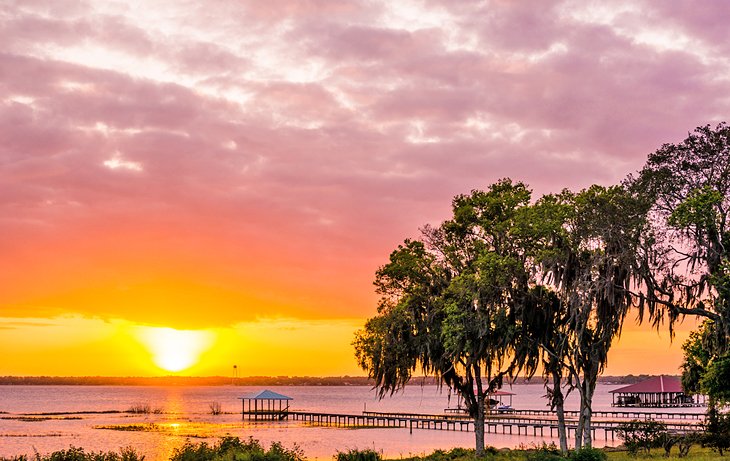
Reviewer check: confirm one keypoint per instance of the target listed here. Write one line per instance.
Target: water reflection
(186, 416)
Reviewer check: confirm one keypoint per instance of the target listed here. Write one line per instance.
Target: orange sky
(237, 171)
(82, 346)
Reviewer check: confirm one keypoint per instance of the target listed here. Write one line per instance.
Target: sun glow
(175, 350)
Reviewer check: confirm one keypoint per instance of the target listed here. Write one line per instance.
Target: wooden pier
(627, 414)
(506, 424)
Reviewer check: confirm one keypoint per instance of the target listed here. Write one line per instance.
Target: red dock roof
(659, 384)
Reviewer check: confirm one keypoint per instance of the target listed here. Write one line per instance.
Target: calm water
(185, 414)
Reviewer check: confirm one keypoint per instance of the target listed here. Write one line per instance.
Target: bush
(588, 454)
(717, 431)
(545, 452)
(78, 454)
(232, 448)
(642, 435)
(358, 455)
(685, 442)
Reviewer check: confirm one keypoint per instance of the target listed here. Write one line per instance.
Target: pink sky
(196, 164)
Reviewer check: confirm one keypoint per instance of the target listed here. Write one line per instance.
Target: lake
(182, 413)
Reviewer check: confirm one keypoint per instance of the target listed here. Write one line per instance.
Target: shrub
(78, 454)
(232, 448)
(545, 452)
(642, 435)
(717, 431)
(358, 455)
(215, 408)
(457, 453)
(684, 443)
(588, 454)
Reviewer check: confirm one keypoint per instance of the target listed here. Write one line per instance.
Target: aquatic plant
(215, 408)
(130, 427)
(140, 408)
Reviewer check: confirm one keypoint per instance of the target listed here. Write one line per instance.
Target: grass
(697, 453)
(235, 449)
(86, 412)
(51, 434)
(32, 419)
(148, 427)
(188, 430)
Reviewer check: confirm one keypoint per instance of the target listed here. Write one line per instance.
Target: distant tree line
(188, 381)
(510, 285)
(246, 380)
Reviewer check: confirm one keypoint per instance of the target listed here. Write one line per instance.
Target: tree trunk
(581, 416)
(590, 385)
(579, 428)
(479, 424)
(587, 414)
(559, 404)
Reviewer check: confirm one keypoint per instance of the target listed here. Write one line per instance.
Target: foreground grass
(697, 453)
(235, 449)
(545, 453)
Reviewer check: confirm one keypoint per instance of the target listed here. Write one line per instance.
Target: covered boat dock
(265, 405)
(660, 391)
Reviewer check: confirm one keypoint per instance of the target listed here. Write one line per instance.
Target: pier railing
(507, 424)
(650, 414)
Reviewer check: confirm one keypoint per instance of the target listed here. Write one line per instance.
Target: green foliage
(685, 263)
(545, 452)
(715, 382)
(451, 303)
(501, 287)
(227, 449)
(78, 454)
(699, 209)
(697, 357)
(358, 455)
(639, 435)
(588, 454)
(587, 261)
(683, 442)
(234, 449)
(717, 430)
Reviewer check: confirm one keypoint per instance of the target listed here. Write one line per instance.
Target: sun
(175, 350)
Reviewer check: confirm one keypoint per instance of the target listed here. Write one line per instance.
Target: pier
(505, 424)
(627, 414)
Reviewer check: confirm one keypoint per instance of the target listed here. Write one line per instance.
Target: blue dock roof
(266, 395)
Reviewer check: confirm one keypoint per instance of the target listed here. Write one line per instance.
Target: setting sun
(175, 350)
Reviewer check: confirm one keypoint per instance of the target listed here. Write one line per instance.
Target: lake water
(184, 413)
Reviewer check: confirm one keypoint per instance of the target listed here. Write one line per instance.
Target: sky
(190, 185)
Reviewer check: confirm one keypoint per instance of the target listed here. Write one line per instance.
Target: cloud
(207, 163)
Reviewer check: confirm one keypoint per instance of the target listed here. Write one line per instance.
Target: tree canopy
(451, 302)
(506, 286)
(686, 268)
